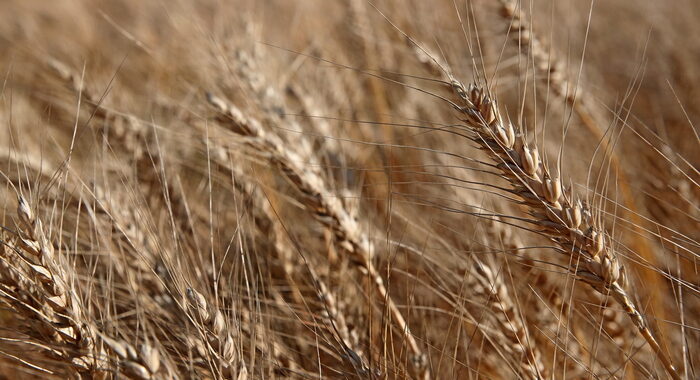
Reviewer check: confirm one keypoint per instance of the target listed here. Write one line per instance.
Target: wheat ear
(214, 327)
(328, 210)
(490, 286)
(333, 315)
(268, 222)
(549, 65)
(592, 257)
(42, 290)
(59, 314)
(129, 133)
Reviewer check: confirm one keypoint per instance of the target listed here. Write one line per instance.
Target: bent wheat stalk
(561, 215)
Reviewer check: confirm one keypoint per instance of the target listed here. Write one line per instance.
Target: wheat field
(349, 189)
